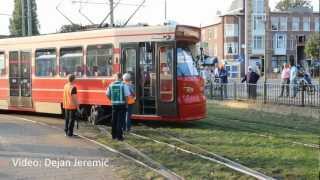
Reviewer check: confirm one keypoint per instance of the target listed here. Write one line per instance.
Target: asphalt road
(33, 151)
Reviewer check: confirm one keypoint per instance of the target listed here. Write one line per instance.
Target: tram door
(138, 60)
(167, 78)
(20, 79)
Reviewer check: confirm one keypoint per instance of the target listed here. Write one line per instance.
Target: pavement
(33, 151)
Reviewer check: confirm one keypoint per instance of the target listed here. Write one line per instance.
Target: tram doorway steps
(149, 105)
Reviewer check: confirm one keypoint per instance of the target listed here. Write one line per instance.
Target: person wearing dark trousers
(70, 105)
(251, 78)
(118, 94)
(223, 75)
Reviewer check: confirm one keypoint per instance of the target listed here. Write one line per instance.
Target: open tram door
(155, 87)
(20, 79)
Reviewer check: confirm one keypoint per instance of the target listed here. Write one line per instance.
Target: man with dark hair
(118, 93)
(70, 104)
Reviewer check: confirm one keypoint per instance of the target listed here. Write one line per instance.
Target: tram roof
(109, 32)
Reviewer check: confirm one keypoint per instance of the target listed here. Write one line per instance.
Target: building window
(291, 44)
(99, 60)
(295, 24)
(258, 22)
(231, 48)
(274, 23)
(283, 23)
(306, 23)
(210, 35)
(215, 33)
(316, 24)
(46, 62)
(215, 50)
(280, 42)
(231, 30)
(233, 70)
(71, 61)
(258, 42)
(2, 64)
(258, 6)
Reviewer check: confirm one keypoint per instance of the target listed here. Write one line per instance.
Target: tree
(15, 26)
(312, 48)
(285, 5)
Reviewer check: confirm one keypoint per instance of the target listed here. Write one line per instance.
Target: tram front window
(185, 65)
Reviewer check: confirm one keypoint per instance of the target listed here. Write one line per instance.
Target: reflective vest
(116, 93)
(131, 98)
(67, 97)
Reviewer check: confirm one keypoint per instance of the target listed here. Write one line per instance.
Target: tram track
(256, 132)
(212, 157)
(168, 174)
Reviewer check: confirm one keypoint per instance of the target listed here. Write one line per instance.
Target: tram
(33, 71)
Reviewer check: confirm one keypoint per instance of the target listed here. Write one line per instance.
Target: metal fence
(306, 94)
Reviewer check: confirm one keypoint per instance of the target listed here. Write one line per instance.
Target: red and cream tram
(33, 71)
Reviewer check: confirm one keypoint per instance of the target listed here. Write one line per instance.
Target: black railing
(306, 94)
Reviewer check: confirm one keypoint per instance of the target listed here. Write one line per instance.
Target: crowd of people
(291, 76)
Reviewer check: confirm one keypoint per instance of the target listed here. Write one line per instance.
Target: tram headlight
(188, 90)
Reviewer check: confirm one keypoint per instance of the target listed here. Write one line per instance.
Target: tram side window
(166, 74)
(71, 61)
(2, 64)
(99, 60)
(46, 62)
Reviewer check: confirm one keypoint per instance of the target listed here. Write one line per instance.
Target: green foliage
(284, 5)
(15, 26)
(312, 48)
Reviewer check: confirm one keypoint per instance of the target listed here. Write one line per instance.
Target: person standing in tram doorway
(131, 100)
(70, 105)
(118, 93)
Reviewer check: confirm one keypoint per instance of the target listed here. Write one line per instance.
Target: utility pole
(165, 10)
(111, 13)
(29, 18)
(23, 19)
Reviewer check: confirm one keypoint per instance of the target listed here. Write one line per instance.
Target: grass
(259, 140)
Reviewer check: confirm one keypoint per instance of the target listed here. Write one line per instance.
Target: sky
(197, 13)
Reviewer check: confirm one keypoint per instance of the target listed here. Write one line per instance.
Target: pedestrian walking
(223, 75)
(251, 79)
(293, 80)
(131, 100)
(70, 105)
(118, 93)
(285, 79)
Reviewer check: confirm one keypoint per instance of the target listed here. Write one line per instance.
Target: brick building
(238, 38)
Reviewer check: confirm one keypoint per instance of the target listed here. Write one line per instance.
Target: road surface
(33, 151)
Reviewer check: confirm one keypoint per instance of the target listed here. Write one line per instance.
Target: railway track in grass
(256, 132)
(202, 154)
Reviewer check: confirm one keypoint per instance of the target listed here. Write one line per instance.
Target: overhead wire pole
(165, 10)
(29, 18)
(138, 8)
(111, 13)
(23, 23)
(82, 14)
(105, 18)
(57, 8)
